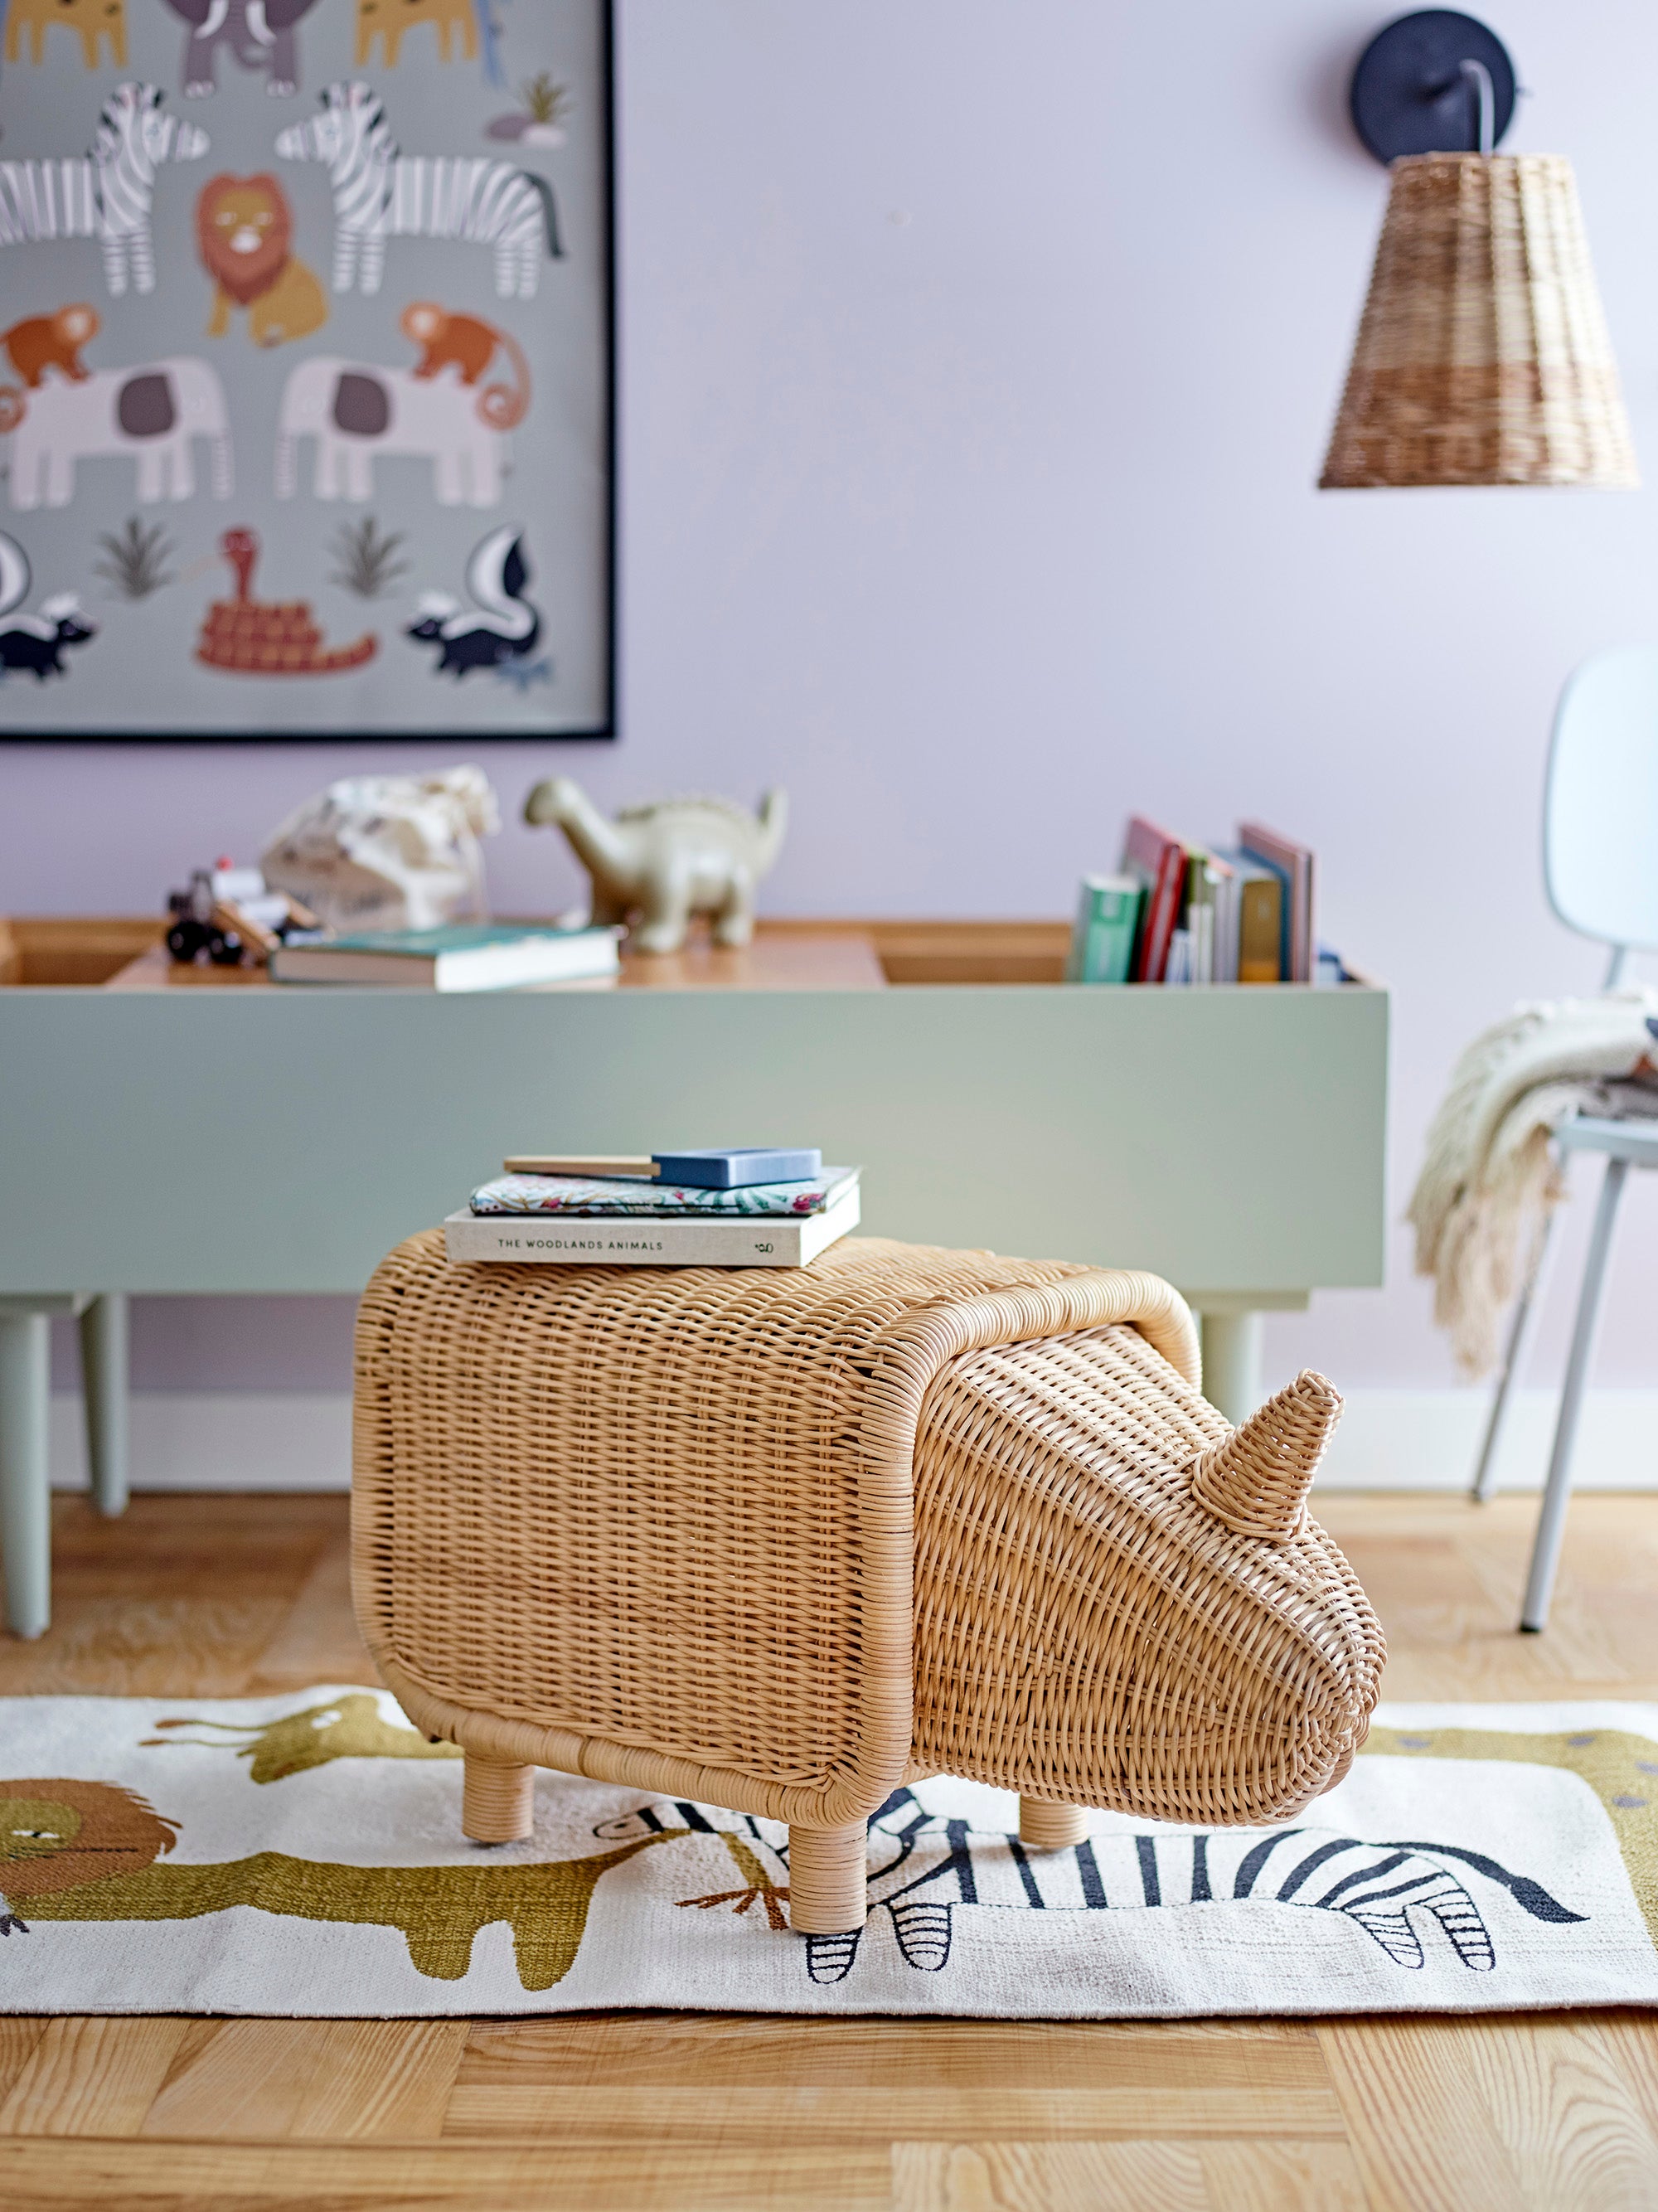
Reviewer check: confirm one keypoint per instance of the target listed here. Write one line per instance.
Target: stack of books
(726, 1208)
(1177, 912)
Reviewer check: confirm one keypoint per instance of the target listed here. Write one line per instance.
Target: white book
(612, 1241)
(1222, 878)
(1203, 944)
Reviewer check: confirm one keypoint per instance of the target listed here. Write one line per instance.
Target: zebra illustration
(923, 1866)
(382, 194)
(106, 194)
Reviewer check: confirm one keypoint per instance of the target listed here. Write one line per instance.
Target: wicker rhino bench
(781, 1539)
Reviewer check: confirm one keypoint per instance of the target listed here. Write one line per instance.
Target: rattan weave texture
(775, 1539)
(1095, 1626)
(656, 1525)
(1482, 356)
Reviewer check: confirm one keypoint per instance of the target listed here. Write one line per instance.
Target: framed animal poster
(306, 384)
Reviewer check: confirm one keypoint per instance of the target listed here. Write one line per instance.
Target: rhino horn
(1256, 1481)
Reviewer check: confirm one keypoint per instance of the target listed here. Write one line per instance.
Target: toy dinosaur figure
(668, 861)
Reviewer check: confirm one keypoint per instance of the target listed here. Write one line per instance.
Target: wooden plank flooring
(223, 1596)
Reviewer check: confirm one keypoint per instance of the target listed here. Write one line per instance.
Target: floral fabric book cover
(530, 1194)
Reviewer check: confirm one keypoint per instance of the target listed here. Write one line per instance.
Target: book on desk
(460, 957)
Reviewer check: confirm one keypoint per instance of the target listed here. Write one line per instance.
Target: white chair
(1601, 867)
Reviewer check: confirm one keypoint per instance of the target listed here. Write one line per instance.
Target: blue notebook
(730, 1167)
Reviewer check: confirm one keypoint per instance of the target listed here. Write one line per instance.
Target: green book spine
(1108, 925)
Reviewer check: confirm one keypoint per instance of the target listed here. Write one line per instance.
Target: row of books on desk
(1177, 913)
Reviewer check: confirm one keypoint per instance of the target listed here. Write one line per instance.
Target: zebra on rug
(923, 1866)
(106, 194)
(381, 193)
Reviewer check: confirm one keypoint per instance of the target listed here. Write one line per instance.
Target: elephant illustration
(356, 411)
(151, 412)
(262, 34)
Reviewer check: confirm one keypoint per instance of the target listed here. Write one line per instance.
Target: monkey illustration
(469, 345)
(52, 341)
(40, 343)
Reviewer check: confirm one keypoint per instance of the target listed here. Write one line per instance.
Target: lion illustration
(90, 1851)
(243, 228)
(58, 1835)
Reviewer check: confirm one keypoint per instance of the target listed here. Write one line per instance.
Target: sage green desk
(209, 1139)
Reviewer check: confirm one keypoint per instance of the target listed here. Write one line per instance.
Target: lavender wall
(977, 359)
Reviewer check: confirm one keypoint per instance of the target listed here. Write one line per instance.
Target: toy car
(229, 915)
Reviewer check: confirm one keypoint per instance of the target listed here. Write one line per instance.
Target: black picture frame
(602, 729)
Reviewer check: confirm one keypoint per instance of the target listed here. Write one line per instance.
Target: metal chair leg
(1551, 1527)
(104, 1388)
(1520, 1333)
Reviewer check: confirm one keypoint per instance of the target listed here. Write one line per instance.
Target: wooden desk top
(791, 960)
(124, 953)
(787, 955)
(155, 970)
(776, 961)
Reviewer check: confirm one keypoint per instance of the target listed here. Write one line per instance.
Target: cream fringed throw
(1490, 1176)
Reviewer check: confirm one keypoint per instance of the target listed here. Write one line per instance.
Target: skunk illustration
(506, 628)
(36, 642)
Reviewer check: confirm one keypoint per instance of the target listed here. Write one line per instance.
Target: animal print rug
(303, 1854)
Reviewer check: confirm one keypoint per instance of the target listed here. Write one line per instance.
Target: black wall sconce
(1433, 83)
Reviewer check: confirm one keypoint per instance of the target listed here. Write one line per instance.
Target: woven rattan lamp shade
(1482, 356)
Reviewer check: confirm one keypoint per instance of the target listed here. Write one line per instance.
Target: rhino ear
(1256, 1479)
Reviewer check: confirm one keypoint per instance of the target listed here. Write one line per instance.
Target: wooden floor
(214, 1596)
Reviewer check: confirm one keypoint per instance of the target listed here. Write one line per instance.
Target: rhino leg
(829, 1878)
(497, 1801)
(1047, 1827)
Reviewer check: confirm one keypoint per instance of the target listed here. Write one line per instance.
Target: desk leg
(1231, 1363)
(25, 1500)
(104, 1387)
